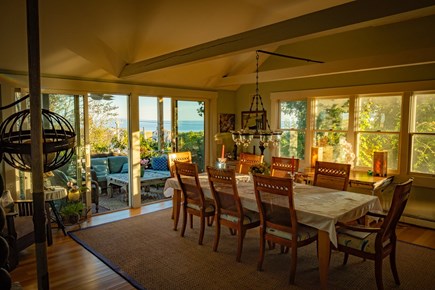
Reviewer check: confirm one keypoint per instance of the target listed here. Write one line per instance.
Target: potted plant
(72, 211)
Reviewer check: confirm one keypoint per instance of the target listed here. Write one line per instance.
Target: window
(422, 132)
(378, 128)
(331, 123)
(294, 125)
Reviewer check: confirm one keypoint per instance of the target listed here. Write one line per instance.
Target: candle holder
(221, 163)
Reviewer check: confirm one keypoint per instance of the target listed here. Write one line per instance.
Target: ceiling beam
(402, 59)
(353, 15)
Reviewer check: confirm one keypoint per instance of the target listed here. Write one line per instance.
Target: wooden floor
(70, 266)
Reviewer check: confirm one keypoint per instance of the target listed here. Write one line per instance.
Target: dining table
(317, 207)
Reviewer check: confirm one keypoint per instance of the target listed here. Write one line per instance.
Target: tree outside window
(294, 125)
(378, 128)
(423, 133)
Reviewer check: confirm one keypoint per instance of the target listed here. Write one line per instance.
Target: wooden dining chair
(194, 202)
(376, 243)
(176, 197)
(278, 220)
(229, 209)
(331, 175)
(281, 166)
(246, 160)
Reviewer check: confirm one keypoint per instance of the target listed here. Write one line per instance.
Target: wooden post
(39, 217)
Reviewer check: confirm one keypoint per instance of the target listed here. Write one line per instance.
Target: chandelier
(266, 137)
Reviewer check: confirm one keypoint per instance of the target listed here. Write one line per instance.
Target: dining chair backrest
(180, 157)
(246, 160)
(398, 204)
(275, 202)
(187, 176)
(331, 175)
(223, 186)
(281, 166)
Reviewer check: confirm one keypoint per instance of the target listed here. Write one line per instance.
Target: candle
(223, 152)
(293, 164)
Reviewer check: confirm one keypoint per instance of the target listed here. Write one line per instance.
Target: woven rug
(150, 255)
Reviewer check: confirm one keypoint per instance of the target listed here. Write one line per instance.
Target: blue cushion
(116, 162)
(160, 163)
(124, 168)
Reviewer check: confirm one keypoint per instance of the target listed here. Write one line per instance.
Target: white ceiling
(211, 44)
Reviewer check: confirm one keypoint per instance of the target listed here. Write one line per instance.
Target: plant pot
(73, 218)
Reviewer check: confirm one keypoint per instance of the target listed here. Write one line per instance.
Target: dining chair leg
(233, 232)
(293, 264)
(201, 233)
(240, 238)
(191, 220)
(183, 227)
(378, 273)
(393, 266)
(261, 257)
(210, 221)
(346, 257)
(217, 235)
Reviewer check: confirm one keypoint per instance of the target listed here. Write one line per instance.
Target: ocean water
(151, 125)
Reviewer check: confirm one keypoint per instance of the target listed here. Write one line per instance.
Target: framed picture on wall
(256, 120)
(227, 122)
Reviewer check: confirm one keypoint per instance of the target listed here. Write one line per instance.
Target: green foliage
(293, 142)
(194, 142)
(71, 208)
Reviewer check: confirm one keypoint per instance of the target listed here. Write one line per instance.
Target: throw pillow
(124, 168)
(159, 163)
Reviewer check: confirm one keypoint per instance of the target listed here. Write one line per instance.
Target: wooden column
(39, 216)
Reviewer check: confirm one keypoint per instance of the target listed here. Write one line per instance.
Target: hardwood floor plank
(73, 267)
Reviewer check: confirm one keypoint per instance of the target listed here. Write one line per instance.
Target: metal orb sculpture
(58, 137)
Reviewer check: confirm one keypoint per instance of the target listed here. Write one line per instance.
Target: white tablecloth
(318, 207)
(51, 193)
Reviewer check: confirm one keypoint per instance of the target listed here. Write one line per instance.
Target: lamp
(245, 135)
(267, 137)
(15, 142)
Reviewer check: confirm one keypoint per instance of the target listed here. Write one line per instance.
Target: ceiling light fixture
(267, 136)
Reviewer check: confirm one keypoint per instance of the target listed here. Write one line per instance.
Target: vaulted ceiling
(211, 44)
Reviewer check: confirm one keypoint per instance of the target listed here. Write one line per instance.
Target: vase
(74, 195)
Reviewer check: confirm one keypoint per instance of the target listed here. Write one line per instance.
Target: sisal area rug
(150, 255)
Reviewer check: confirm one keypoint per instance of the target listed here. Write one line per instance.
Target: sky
(187, 109)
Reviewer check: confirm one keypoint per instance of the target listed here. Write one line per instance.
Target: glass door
(188, 128)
